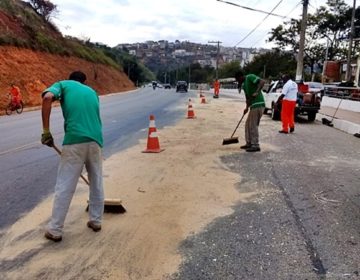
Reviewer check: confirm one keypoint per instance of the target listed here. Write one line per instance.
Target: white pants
(73, 159)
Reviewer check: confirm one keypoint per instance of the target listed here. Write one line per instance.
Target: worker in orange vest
(15, 95)
(216, 88)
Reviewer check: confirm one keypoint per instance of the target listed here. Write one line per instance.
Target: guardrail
(350, 93)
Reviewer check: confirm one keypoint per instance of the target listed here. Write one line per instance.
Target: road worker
(252, 86)
(82, 145)
(216, 88)
(288, 102)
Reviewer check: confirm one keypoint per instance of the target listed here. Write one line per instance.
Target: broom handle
(237, 126)
(82, 177)
(337, 108)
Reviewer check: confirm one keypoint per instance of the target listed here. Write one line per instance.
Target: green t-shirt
(80, 108)
(250, 86)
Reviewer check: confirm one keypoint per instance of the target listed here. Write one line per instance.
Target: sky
(114, 22)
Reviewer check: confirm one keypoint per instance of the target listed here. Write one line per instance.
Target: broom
(110, 205)
(232, 139)
(325, 121)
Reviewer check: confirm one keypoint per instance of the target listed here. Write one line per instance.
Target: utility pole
(217, 55)
(300, 58)
(189, 75)
(348, 62)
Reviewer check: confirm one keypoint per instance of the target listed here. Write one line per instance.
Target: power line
(268, 14)
(251, 9)
(262, 37)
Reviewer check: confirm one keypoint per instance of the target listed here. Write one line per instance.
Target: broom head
(325, 121)
(232, 140)
(112, 206)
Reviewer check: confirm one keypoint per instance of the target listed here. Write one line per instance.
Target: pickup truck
(306, 103)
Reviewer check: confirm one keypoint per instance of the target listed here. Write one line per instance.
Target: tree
(44, 8)
(228, 70)
(272, 64)
(327, 26)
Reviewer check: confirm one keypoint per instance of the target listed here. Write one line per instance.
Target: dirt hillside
(33, 71)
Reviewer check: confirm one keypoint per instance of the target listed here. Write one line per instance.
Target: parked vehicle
(181, 86)
(306, 104)
(167, 86)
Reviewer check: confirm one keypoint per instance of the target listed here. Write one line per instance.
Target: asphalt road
(28, 169)
(303, 221)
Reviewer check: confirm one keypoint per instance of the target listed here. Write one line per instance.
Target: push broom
(325, 121)
(110, 205)
(232, 139)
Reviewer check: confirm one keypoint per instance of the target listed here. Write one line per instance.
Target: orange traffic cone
(203, 100)
(153, 145)
(190, 114)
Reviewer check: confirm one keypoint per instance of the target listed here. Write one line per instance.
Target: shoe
(244, 147)
(283, 131)
(253, 149)
(292, 129)
(93, 226)
(52, 237)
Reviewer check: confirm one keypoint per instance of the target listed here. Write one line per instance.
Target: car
(181, 86)
(167, 86)
(306, 103)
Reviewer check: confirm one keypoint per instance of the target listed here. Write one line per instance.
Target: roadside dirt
(168, 196)
(34, 71)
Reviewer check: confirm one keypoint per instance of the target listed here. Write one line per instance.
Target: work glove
(46, 138)
(246, 110)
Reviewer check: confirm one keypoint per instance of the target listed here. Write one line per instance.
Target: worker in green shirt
(252, 85)
(82, 145)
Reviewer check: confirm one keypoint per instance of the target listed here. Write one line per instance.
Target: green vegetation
(327, 33)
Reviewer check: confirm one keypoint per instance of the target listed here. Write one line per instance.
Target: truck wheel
(275, 114)
(311, 116)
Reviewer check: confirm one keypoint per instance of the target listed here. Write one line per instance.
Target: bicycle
(12, 107)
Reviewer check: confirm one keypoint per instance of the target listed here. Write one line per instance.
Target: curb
(343, 125)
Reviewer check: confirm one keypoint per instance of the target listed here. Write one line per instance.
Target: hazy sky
(129, 21)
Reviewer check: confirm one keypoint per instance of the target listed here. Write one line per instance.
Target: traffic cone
(153, 145)
(203, 100)
(190, 114)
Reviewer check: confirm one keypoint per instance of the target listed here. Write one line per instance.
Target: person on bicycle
(15, 95)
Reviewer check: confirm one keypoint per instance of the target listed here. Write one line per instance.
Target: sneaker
(52, 237)
(93, 226)
(292, 129)
(283, 131)
(244, 147)
(253, 149)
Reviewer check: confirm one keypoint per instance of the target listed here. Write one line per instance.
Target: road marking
(19, 148)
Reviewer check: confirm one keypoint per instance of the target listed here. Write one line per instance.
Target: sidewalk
(345, 120)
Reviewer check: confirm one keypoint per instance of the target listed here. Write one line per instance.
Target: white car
(271, 96)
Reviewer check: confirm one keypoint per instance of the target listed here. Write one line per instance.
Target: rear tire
(275, 114)
(311, 116)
